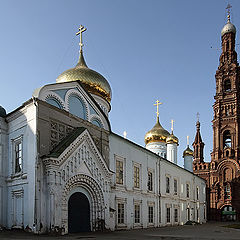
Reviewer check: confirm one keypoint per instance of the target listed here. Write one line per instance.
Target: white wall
(131, 154)
(21, 186)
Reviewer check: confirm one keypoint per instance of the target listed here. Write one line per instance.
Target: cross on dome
(81, 30)
(228, 11)
(157, 104)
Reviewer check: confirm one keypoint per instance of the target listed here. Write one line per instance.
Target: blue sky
(147, 50)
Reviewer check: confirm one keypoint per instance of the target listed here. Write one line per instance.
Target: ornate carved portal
(96, 200)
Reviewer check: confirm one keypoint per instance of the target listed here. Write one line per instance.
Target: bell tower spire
(198, 144)
(228, 34)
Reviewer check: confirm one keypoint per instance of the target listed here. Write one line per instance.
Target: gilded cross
(187, 140)
(81, 30)
(156, 104)
(172, 121)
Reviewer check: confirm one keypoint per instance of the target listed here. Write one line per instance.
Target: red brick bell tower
(223, 172)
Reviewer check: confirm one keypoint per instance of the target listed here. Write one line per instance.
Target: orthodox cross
(228, 11)
(81, 30)
(156, 104)
(198, 116)
(172, 121)
(188, 140)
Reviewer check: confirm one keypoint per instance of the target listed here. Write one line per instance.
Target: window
(150, 214)
(77, 106)
(150, 181)
(175, 215)
(227, 142)
(167, 185)
(227, 85)
(227, 191)
(187, 190)
(168, 214)
(137, 213)
(197, 193)
(197, 215)
(119, 172)
(175, 187)
(120, 213)
(18, 156)
(136, 177)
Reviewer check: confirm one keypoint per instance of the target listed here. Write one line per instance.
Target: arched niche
(77, 106)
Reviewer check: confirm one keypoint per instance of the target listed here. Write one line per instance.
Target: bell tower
(226, 108)
(222, 174)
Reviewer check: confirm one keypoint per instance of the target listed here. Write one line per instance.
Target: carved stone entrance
(78, 213)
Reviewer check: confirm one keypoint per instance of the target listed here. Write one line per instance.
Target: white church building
(62, 169)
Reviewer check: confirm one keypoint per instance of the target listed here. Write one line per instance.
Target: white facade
(183, 206)
(37, 196)
(188, 162)
(160, 148)
(172, 152)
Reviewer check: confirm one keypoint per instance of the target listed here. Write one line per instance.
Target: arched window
(77, 107)
(227, 85)
(54, 102)
(227, 191)
(227, 141)
(97, 123)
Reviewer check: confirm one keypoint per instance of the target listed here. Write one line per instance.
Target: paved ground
(209, 231)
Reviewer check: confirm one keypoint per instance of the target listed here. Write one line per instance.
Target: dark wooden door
(78, 213)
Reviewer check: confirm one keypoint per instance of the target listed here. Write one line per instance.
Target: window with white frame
(136, 175)
(150, 213)
(168, 214)
(187, 190)
(167, 185)
(136, 213)
(150, 181)
(175, 215)
(17, 155)
(120, 211)
(175, 187)
(119, 172)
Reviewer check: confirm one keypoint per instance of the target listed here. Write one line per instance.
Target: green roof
(59, 149)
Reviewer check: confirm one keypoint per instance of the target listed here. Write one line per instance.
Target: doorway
(78, 213)
(228, 213)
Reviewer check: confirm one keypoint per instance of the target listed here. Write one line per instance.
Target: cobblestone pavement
(206, 231)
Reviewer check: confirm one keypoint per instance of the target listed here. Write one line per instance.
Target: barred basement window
(168, 214)
(120, 213)
(136, 177)
(137, 213)
(150, 214)
(119, 172)
(150, 181)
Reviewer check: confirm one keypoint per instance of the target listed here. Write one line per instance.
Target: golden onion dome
(188, 152)
(172, 139)
(156, 134)
(92, 81)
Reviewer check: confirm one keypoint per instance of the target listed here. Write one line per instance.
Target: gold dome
(156, 134)
(92, 81)
(188, 152)
(172, 139)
